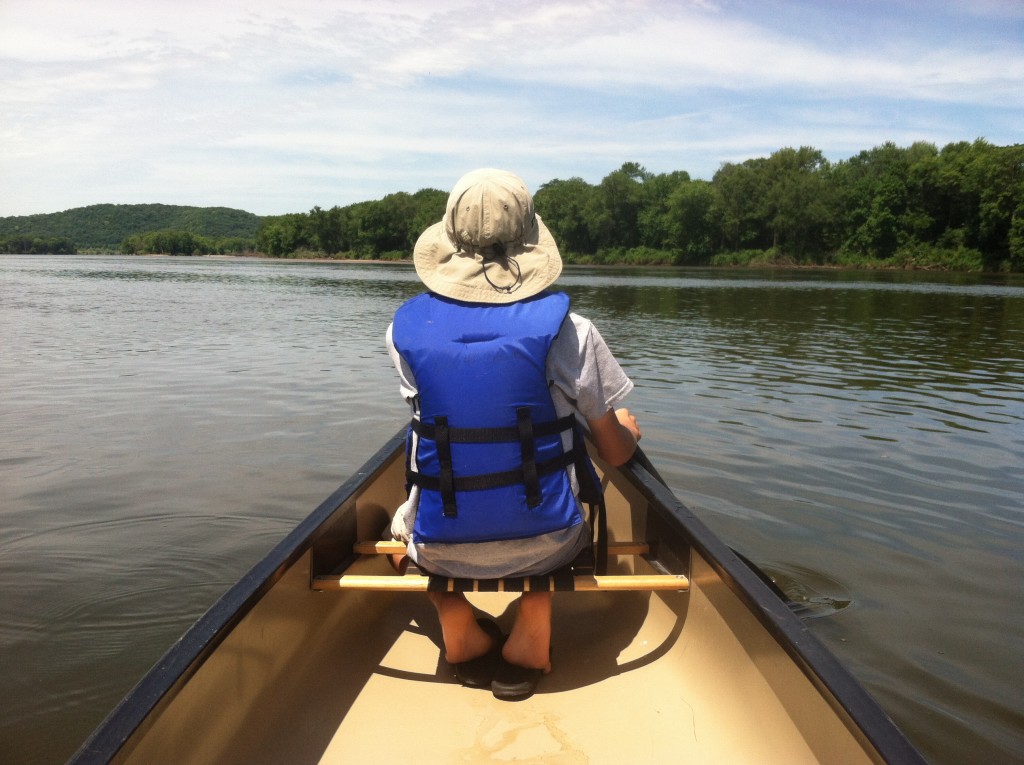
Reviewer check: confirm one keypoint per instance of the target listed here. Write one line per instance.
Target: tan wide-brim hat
(491, 246)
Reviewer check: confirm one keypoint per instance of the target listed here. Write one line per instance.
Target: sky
(276, 107)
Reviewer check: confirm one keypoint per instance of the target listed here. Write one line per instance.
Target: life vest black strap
(492, 435)
(593, 495)
(528, 474)
(489, 480)
(526, 447)
(446, 480)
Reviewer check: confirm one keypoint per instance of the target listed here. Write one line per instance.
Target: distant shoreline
(288, 260)
(407, 262)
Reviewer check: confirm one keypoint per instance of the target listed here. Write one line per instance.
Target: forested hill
(106, 226)
(956, 208)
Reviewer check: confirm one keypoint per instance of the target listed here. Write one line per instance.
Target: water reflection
(165, 421)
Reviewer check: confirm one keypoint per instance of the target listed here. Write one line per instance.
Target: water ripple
(166, 421)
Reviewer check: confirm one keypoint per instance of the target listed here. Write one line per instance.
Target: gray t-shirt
(584, 378)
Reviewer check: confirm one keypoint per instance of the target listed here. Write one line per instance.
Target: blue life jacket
(486, 447)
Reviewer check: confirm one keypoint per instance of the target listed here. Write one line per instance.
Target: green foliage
(961, 207)
(1016, 241)
(36, 245)
(649, 256)
(629, 217)
(753, 258)
(921, 207)
(171, 242)
(918, 257)
(361, 230)
(563, 207)
(688, 223)
(782, 202)
(107, 226)
(890, 207)
(282, 235)
(631, 256)
(884, 193)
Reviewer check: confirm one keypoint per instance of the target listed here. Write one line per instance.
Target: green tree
(998, 175)
(796, 206)
(428, 208)
(283, 235)
(655, 221)
(883, 204)
(34, 245)
(167, 242)
(614, 210)
(382, 225)
(782, 202)
(563, 206)
(106, 226)
(1015, 240)
(689, 223)
(738, 206)
(325, 229)
(911, 206)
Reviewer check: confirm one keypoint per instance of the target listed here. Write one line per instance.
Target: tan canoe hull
(649, 676)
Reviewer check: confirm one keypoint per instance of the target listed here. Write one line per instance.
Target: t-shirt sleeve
(406, 379)
(584, 370)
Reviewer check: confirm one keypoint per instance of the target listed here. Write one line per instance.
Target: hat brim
(460, 275)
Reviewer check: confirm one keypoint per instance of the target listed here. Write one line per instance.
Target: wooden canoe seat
(569, 579)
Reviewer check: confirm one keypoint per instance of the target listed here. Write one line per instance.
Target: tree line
(381, 229)
(106, 226)
(960, 208)
(20, 244)
(176, 242)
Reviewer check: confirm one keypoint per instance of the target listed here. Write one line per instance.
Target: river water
(165, 421)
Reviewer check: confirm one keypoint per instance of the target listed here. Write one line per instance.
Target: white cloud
(276, 107)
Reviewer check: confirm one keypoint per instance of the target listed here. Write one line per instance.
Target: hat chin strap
(513, 266)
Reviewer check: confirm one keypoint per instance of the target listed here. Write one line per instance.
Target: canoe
(680, 652)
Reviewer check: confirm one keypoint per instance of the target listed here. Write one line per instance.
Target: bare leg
(463, 638)
(399, 562)
(529, 643)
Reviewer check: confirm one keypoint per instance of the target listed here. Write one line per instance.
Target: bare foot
(529, 643)
(470, 644)
(463, 637)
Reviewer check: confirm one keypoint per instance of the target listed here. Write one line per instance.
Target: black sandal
(514, 683)
(478, 672)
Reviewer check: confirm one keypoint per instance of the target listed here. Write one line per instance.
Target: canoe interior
(300, 676)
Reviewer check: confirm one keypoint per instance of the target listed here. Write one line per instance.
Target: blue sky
(275, 107)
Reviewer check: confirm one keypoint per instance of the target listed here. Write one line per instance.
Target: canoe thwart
(552, 583)
(391, 547)
(565, 580)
